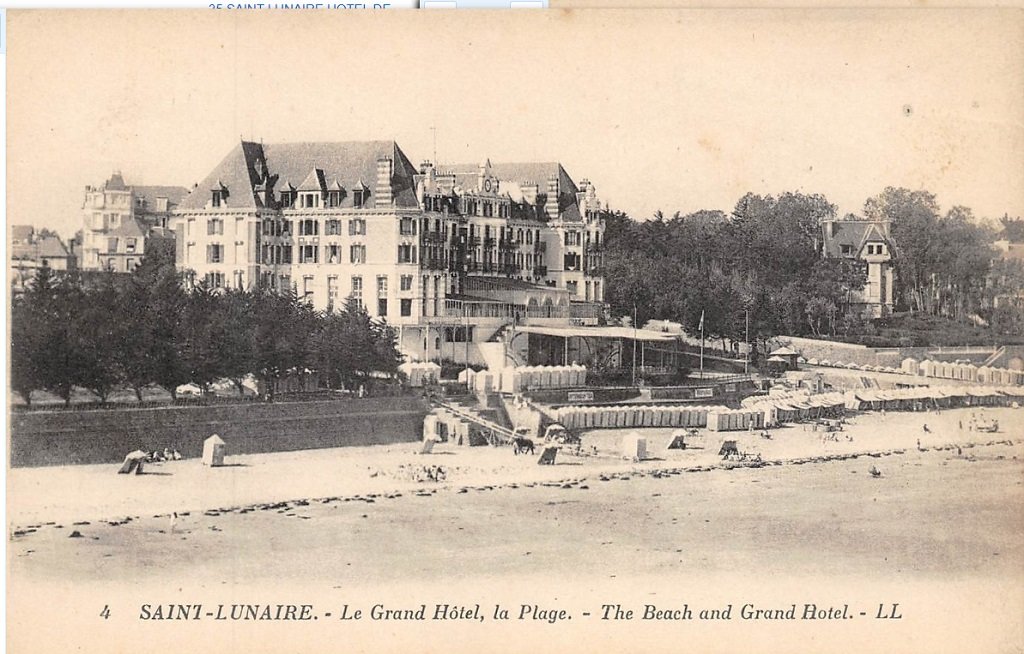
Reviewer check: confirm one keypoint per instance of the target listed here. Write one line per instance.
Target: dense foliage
(115, 332)
(763, 260)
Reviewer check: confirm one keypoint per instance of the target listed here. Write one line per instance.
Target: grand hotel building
(447, 254)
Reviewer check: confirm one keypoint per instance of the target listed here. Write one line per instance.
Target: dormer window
(847, 250)
(359, 197)
(287, 199)
(310, 200)
(218, 198)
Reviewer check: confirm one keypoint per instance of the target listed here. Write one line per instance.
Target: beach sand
(938, 532)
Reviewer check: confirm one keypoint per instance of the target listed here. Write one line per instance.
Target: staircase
(995, 356)
(496, 434)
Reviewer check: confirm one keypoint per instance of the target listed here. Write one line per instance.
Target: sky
(671, 110)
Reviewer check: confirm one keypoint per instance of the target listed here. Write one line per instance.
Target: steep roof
(346, 162)
(130, 229)
(149, 194)
(522, 173)
(52, 247)
(853, 233)
(115, 183)
(22, 232)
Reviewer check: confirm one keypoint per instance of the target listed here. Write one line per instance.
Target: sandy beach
(352, 524)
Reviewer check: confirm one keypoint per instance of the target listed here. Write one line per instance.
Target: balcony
(540, 246)
(489, 243)
(540, 271)
(455, 310)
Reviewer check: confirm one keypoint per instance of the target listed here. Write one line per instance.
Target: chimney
(385, 168)
(551, 205)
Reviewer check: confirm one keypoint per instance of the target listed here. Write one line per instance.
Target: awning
(598, 332)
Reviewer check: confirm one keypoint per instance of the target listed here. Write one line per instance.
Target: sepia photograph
(653, 330)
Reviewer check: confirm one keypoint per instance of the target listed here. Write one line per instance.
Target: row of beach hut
(634, 415)
(520, 378)
(937, 369)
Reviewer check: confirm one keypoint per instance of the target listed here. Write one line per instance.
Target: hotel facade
(451, 255)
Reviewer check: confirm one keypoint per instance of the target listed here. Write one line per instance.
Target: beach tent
(133, 463)
(678, 441)
(213, 451)
(634, 446)
(728, 447)
(547, 456)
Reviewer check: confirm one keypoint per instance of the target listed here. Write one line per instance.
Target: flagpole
(702, 343)
(634, 344)
(746, 360)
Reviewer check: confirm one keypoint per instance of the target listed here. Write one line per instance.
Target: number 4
(105, 613)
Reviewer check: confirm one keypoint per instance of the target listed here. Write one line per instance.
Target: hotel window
(359, 197)
(308, 254)
(287, 199)
(238, 279)
(597, 291)
(129, 265)
(357, 289)
(309, 227)
(217, 198)
(406, 254)
(333, 254)
(407, 227)
(572, 261)
(847, 249)
(307, 286)
(334, 199)
(310, 200)
(214, 253)
(529, 237)
(382, 295)
(215, 226)
(214, 279)
(572, 238)
(356, 227)
(332, 289)
(129, 245)
(111, 245)
(406, 282)
(333, 227)
(357, 253)
(406, 307)
(572, 287)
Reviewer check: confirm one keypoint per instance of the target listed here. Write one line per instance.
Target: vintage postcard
(659, 330)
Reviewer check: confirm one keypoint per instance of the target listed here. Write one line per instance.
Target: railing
(489, 243)
(502, 310)
(586, 310)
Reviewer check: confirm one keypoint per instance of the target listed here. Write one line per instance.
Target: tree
(26, 350)
(99, 337)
